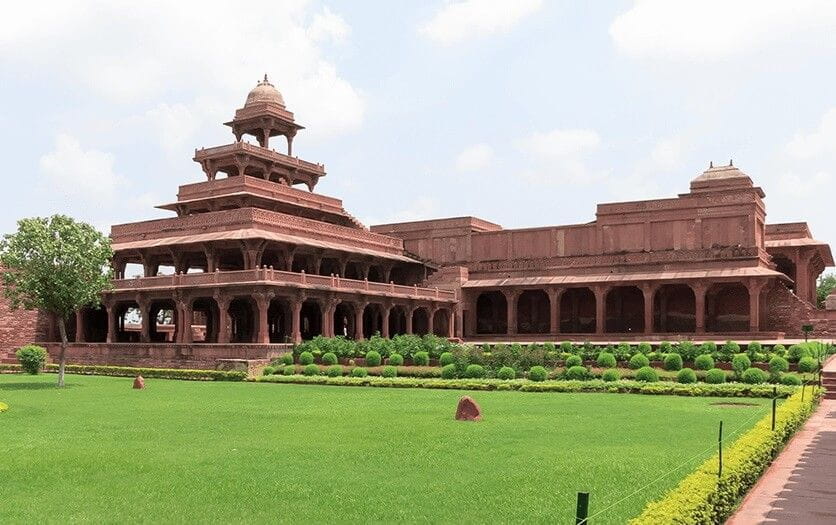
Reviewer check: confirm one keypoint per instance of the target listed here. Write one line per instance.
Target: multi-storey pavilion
(250, 260)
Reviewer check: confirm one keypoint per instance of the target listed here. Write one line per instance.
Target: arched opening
(329, 266)
(278, 321)
(128, 322)
(577, 311)
(375, 274)
(302, 262)
(727, 308)
(195, 262)
(491, 313)
(343, 320)
(242, 317)
(372, 320)
(163, 321)
(310, 319)
(133, 270)
(165, 269)
(273, 257)
(353, 271)
(674, 309)
(230, 260)
(95, 325)
(397, 321)
(205, 320)
(625, 310)
(441, 322)
(398, 275)
(420, 321)
(533, 309)
(787, 267)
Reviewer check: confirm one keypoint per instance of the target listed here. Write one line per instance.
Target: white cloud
(560, 155)
(803, 186)
(718, 29)
(460, 21)
(819, 142)
(475, 158)
(79, 173)
(132, 53)
(667, 152)
(419, 209)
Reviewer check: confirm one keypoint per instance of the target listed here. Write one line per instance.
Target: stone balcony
(281, 279)
(242, 158)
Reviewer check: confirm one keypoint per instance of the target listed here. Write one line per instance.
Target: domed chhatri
(264, 92)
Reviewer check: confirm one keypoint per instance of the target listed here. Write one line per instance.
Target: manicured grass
(178, 451)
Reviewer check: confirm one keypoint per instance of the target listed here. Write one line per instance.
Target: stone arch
(375, 273)
(242, 315)
(302, 262)
(624, 310)
(279, 322)
(533, 310)
(372, 320)
(674, 309)
(441, 322)
(353, 270)
(310, 319)
(398, 275)
(577, 311)
(95, 325)
(491, 313)
(129, 322)
(420, 321)
(785, 265)
(397, 321)
(206, 319)
(329, 266)
(343, 320)
(229, 259)
(727, 308)
(163, 321)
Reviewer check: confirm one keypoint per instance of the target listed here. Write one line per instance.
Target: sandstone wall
(19, 327)
(784, 311)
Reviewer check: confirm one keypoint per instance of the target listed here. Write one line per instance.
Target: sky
(524, 113)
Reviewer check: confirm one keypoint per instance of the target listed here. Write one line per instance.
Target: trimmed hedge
(704, 362)
(701, 498)
(639, 361)
(522, 385)
(157, 373)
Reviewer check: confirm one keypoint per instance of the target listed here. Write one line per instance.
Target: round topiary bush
(373, 358)
(449, 371)
(287, 359)
(573, 360)
(538, 373)
(32, 358)
(647, 374)
(421, 359)
(686, 376)
(577, 373)
(645, 348)
(335, 371)
(474, 371)
(447, 358)
(673, 362)
(610, 374)
(605, 360)
(359, 372)
(289, 370)
(305, 358)
(389, 371)
(311, 370)
(639, 361)
(715, 376)
(396, 360)
(740, 363)
(807, 365)
(753, 376)
(779, 350)
(778, 365)
(506, 372)
(329, 358)
(796, 352)
(704, 362)
(790, 380)
(268, 371)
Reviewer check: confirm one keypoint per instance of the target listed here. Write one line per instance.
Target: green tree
(56, 265)
(827, 283)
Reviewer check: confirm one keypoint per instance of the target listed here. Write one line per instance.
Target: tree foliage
(56, 265)
(826, 285)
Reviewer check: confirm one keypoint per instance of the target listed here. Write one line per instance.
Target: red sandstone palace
(254, 261)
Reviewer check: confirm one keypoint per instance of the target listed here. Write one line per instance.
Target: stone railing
(268, 275)
(258, 151)
(218, 187)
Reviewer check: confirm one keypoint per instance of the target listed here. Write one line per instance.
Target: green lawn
(99, 451)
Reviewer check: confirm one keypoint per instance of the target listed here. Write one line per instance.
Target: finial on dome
(265, 79)
(731, 162)
(711, 164)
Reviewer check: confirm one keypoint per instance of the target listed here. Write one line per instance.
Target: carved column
(79, 326)
(112, 321)
(328, 317)
(145, 314)
(211, 258)
(431, 319)
(225, 323)
(755, 287)
(359, 307)
(600, 308)
(699, 288)
(262, 302)
(554, 309)
(184, 305)
(459, 328)
(386, 310)
(409, 311)
(802, 275)
(452, 322)
(649, 292)
(296, 319)
(511, 297)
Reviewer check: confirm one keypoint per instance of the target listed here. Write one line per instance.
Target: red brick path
(800, 485)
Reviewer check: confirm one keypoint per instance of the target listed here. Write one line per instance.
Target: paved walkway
(800, 485)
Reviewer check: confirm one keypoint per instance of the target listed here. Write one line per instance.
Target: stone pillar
(112, 321)
(459, 328)
(386, 310)
(699, 289)
(554, 309)
(145, 327)
(79, 326)
(649, 292)
(186, 316)
(431, 319)
(802, 275)
(755, 287)
(409, 311)
(262, 302)
(511, 297)
(358, 320)
(296, 319)
(224, 322)
(452, 322)
(600, 308)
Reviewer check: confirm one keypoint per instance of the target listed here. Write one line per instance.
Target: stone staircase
(828, 378)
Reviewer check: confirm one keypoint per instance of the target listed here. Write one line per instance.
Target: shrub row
(701, 498)
(522, 385)
(160, 373)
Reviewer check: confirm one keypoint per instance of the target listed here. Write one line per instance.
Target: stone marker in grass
(468, 410)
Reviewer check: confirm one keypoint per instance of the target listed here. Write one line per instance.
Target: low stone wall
(166, 355)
